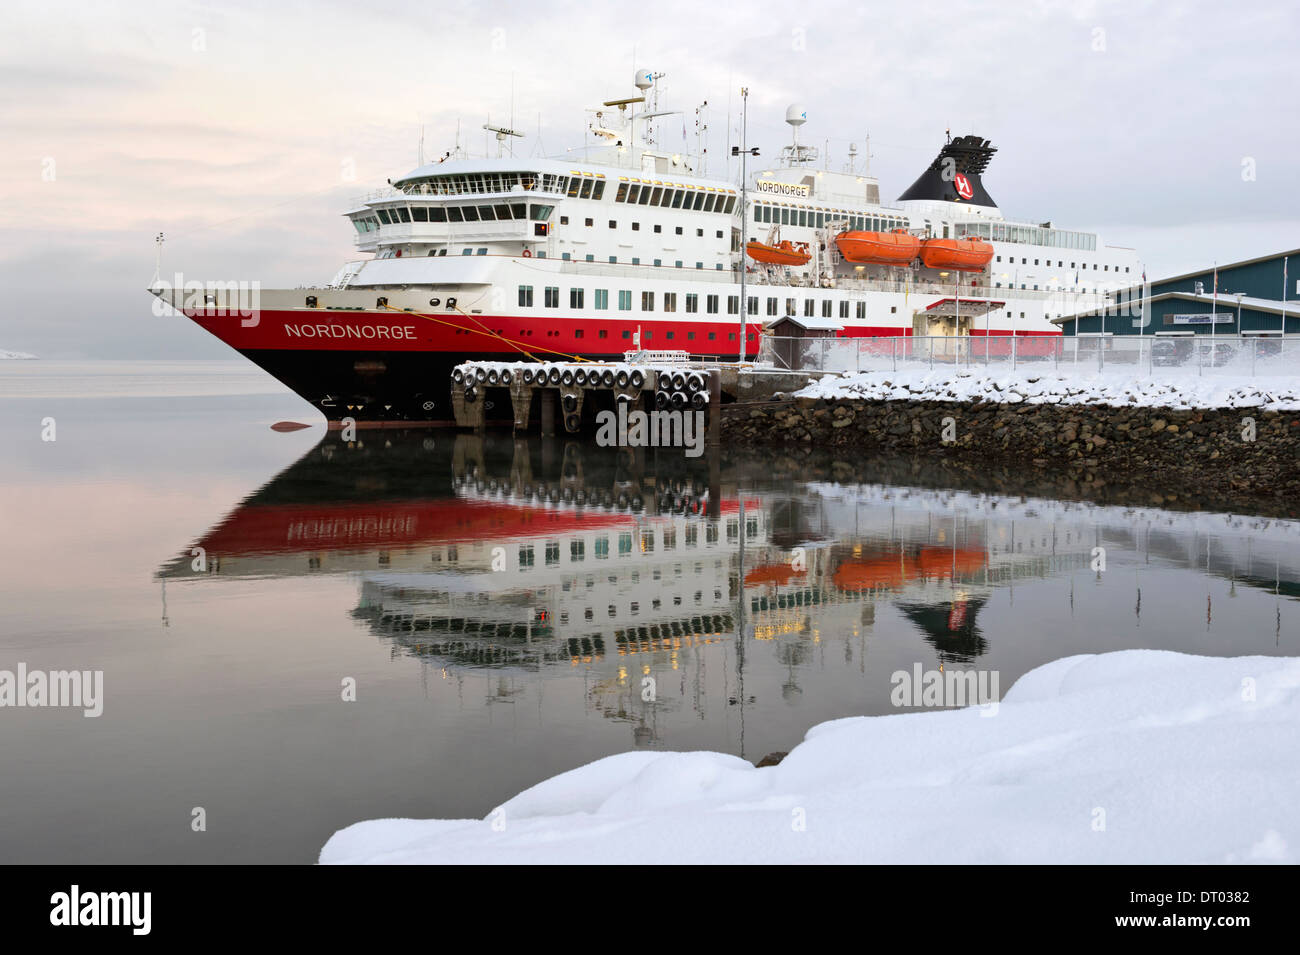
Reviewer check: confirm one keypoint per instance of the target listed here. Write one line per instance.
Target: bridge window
(420, 213)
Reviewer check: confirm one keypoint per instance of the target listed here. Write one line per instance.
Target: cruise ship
(636, 248)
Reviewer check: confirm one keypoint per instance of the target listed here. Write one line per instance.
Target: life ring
(528, 253)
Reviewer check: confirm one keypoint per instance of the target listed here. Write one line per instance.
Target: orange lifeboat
(783, 253)
(771, 574)
(878, 248)
(890, 572)
(960, 255)
(943, 562)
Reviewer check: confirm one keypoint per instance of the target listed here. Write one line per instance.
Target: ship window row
(578, 186)
(669, 197)
(1028, 235)
(497, 212)
(690, 302)
(818, 218)
(1060, 264)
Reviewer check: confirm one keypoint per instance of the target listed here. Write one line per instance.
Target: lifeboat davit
(783, 253)
(878, 248)
(960, 255)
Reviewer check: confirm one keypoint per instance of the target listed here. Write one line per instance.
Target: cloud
(228, 126)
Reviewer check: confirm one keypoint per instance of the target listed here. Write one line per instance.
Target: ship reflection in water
(680, 589)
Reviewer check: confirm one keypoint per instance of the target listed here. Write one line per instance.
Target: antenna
(502, 134)
(794, 154)
(157, 270)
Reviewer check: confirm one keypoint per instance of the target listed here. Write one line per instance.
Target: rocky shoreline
(1244, 457)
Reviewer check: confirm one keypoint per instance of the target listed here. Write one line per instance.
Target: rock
(1158, 424)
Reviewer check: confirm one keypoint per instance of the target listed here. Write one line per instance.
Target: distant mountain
(14, 354)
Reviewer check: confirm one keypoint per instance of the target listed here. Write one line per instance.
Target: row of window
(1060, 264)
(627, 544)
(579, 185)
(1028, 235)
(502, 211)
(670, 197)
(817, 218)
(690, 302)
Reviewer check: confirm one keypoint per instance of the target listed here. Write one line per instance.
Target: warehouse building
(1254, 297)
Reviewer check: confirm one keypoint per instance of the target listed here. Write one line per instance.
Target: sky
(242, 131)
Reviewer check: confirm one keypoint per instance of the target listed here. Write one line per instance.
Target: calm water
(500, 607)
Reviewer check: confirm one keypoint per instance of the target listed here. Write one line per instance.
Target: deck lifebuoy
(528, 253)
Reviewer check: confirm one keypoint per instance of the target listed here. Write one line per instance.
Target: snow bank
(1139, 756)
(1038, 386)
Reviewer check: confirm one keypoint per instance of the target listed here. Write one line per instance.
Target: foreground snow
(1176, 389)
(1139, 756)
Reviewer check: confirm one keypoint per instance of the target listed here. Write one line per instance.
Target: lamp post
(744, 152)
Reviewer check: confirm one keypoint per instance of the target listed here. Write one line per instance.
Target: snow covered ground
(1177, 389)
(14, 355)
(1138, 756)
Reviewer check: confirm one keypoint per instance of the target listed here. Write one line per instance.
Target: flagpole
(1284, 282)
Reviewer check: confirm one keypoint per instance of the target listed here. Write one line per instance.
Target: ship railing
(1147, 357)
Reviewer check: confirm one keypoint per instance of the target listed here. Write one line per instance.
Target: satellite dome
(796, 115)
(644, 79)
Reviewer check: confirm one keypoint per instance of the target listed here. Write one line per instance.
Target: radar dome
(796, 115)
(644, 79)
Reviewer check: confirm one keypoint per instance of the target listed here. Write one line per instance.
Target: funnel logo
(963, 186)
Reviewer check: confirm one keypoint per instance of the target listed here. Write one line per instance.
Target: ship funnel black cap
(954, 176)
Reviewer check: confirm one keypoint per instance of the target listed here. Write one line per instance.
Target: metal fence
(1140, 355)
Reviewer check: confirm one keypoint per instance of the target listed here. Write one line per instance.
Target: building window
(602, 298)
(525, 296)
(552, 297)
(552, 553)
(577, 550)
(575, 298)
(526, 556)
(602, 548)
